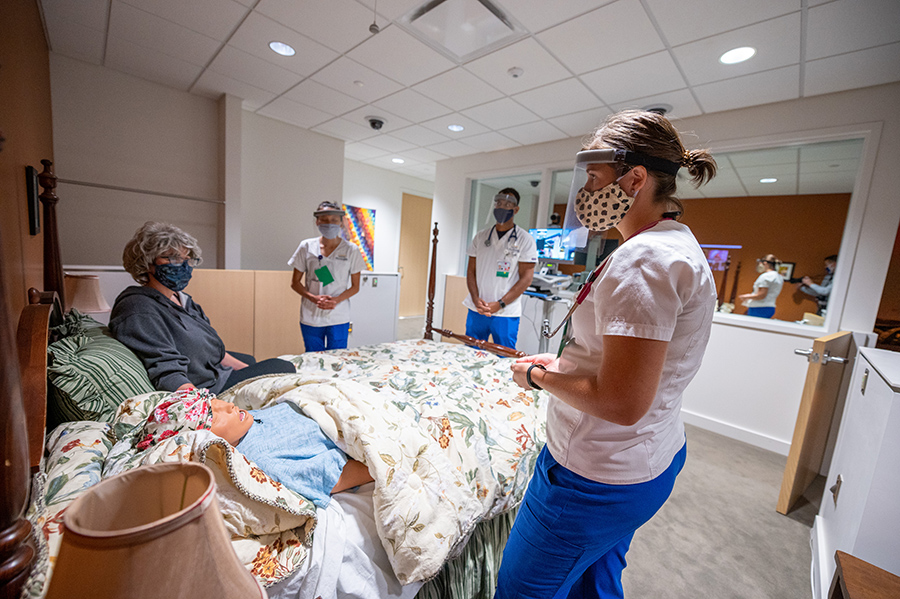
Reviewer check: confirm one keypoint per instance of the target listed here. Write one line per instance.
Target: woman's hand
(325, 302)
(520, 368)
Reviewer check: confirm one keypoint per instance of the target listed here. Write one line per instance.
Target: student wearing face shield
(326, 275)
(501, 265)
(634, 340)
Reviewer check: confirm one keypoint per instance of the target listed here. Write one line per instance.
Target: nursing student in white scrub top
(326, 275)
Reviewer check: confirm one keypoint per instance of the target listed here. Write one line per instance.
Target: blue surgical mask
(501, 215)
(329, 231)
(174, 276)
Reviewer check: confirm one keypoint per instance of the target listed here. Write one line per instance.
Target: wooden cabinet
(860, 511)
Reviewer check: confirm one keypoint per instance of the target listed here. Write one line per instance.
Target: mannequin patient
(286, 444)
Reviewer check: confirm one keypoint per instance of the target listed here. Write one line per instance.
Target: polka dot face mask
(602, 209)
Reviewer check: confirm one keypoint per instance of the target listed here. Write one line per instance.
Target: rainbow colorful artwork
(361, 231)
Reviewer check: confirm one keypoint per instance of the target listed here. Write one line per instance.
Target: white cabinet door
(375, 309)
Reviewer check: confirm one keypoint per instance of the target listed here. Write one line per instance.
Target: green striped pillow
(91, 376)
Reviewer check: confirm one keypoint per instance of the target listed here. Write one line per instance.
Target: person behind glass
(761, 301)
(640, 326)
(501, 266)
(326, 275)
(822, 291)
(165, 328)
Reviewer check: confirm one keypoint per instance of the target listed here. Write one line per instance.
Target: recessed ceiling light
(397, 160)
(737, 55)
(768, 180)
(282, 48)
(358, 83)
(455, 128)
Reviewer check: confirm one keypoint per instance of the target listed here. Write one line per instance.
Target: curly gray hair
(152, 241)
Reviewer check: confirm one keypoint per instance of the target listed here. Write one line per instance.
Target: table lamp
(83, 294)
(155, 531)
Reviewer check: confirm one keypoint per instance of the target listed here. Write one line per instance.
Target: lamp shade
(83, 294)
(154, 531)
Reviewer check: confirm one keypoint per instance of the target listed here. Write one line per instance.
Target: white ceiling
(582, 59)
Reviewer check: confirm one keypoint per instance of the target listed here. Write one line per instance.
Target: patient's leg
(354, 474)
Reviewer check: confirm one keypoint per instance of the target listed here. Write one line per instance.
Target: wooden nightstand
(856, 579)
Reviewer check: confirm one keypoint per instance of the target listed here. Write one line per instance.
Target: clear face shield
(575, 234)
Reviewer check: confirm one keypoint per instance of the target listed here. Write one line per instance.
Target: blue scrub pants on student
(766, 312)
(503, 329)
(333, 336)
(571, 533)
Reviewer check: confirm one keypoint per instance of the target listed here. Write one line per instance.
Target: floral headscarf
(187, 410)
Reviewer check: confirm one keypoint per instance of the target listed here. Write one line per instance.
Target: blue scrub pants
(571, 533)
(767, 312)
(333, 336)
(503, 329)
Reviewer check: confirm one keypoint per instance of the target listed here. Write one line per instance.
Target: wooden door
(820, 393)
(415, 232)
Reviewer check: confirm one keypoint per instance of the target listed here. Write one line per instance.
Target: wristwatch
(502, 303)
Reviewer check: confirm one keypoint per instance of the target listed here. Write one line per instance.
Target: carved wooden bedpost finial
(429, 311)
(53, 273)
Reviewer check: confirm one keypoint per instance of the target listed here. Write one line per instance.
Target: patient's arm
(354, 474)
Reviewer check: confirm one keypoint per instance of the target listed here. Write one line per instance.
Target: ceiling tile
(749, 90)
(213, 84)
(723, 185)
(500, 114)
(344, 129)
(832, 151)
(683, 22)
(122, 55)
(420, 136)
(337, 24)
(294, 113)
(391, 123)
(422, 155)
(356, 80)
(215, 18)
(490, 142)
(255, 33)
(562, 97)
(613, 33)
(390, 10)
(849, 71)
(849, 25)
(155, 33)
(539, 67)
(421, 171)
(87, 13)
(785, 185)
(322, 98)
(537, 15)
(239, 65)
(682, 102)
(826, 183)
(453, 148)
(412, 105)
(837, 165)
(361, 151)
(760, 158)
(441, 123)
(777, 44)
(620, 82)
(390, 51)
(458, 89)
(533, 133)
(76, 41)
(581, 123)
(385, 162)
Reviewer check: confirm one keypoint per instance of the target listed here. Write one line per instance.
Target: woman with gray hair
(165, 328)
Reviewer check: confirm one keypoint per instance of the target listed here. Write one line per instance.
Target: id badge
(324, 275)
(503, 268)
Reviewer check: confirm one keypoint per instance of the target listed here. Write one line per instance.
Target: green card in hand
(324, 275)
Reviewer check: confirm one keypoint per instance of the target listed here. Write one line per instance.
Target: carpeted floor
(719, 534)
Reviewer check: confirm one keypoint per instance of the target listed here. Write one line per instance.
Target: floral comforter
(448, 437)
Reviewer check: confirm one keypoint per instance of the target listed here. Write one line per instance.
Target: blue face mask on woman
(330, 231)
(174, 276)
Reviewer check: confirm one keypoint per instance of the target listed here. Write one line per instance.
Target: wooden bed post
(432, 275)
(16, 550)
(53, 271)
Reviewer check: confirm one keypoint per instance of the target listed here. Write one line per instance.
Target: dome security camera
(534, 182)
(375, 122)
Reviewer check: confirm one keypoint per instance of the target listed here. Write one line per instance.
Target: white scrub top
(345, 260)
(772, 281)
(497, 266)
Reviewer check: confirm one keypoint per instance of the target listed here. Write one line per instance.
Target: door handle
(829, 358)
(811, 356)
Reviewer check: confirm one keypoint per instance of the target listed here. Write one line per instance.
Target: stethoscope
(514, 236)
(585, 290)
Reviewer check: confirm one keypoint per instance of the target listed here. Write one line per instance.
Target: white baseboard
(734, 432)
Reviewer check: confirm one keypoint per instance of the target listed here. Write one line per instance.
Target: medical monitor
(550, 247)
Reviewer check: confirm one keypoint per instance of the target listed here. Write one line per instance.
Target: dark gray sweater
(176, 344)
